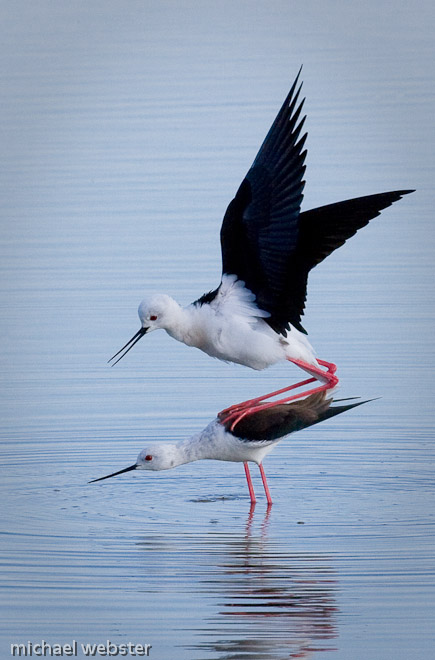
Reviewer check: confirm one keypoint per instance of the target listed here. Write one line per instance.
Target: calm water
(127, 127)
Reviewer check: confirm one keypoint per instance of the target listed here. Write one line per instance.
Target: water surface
(127, 129)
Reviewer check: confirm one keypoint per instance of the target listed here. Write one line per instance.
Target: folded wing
(273, 423)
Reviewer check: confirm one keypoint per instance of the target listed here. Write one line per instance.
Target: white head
(159, 456)
(156, 311)
(156, 456)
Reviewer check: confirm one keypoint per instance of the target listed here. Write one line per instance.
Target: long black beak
(132, 467)
(131, 342)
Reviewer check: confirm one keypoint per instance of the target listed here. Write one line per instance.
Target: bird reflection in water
(273, 604)
(254, 598)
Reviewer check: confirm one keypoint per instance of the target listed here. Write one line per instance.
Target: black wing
(260, 227)
(266, 242)
(326, 228)
(321, 231)
(273, 423)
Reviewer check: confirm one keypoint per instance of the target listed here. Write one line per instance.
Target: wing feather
(266, 241)
(273, 423)
(260, 228)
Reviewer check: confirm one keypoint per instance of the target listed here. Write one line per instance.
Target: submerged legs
(251, 487)
(266, 487)
(249, 480)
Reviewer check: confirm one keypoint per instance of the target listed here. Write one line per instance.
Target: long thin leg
(319, 375)
(249, 480)
(327, 378)
(258, 399)
(266, 487)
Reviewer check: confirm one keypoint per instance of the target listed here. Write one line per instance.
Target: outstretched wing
(271, 246)
(321, 231)
(326, 228)
(260, 228)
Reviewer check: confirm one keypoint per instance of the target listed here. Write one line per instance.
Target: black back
(280, 420)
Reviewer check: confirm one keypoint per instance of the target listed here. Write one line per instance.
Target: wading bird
(269, 246)
(251, 440)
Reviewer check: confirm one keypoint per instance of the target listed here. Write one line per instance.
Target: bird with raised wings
(269, 246)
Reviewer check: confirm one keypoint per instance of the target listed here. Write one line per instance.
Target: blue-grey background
(126, 128)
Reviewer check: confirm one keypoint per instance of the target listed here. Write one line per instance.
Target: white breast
(233, 329)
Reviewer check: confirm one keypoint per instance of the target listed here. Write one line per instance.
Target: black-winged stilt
(269, 246)
(251, 439)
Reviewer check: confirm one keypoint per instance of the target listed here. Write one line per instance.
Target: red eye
(148, 457)
(153, 318)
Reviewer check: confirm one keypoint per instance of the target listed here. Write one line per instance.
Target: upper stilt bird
(251, 439)
(269, 246)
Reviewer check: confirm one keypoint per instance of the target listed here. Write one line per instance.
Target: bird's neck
(190, 450)
(183, 325)
(200, 446)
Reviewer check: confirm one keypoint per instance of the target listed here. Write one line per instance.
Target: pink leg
(330, 366)
(258, 399)
(327, 378)
(250, 486)
(266, 487)
(319, 375)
